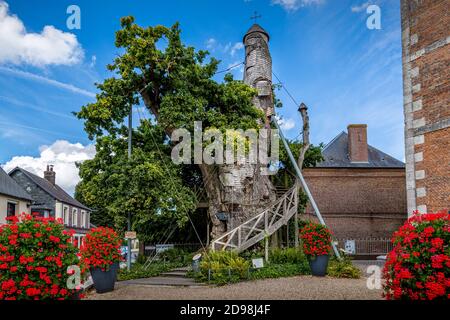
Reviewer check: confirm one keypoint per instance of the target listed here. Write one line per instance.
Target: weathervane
(256, 16)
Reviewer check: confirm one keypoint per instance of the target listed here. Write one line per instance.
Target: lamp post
(130, 128)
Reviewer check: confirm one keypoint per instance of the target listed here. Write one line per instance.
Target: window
(78, 240)
(75, 218)
(11, 210)
(66, 215)
(83, 219)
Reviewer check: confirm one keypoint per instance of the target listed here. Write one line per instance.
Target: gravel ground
(295, 288)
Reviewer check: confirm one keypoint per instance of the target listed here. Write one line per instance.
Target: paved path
(174, 278)
(295, 288)
(364, 264)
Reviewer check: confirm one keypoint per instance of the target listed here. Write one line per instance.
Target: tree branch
(306, 144)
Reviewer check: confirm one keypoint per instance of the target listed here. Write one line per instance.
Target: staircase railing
(260, 226)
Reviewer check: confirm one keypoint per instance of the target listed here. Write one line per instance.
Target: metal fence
(151, 249)
(368, 246)
(362, 247)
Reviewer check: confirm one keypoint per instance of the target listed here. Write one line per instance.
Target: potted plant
(35, 253)
(418, 268)
(316, 242)
(100, 253)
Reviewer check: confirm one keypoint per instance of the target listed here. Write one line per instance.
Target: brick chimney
(50, 175)
(357, 143)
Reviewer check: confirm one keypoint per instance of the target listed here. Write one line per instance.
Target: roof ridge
(15, 189)
(51, 189)
(333, 140)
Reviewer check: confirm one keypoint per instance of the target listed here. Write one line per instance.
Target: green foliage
(138, 272)
(176, 255)
(273, 270)
(148, 184)
(173, 81)
(343, 269)
(228, 267)
(287, 256)
(223, 267)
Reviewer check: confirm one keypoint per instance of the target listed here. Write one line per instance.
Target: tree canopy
(174, 82)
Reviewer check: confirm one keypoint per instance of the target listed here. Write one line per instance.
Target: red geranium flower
(418, 268)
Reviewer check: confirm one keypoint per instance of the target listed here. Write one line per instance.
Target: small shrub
(223, 267)
(288, 255)
(280, 270)
(343, 269)
(141, 259)
(418, 268)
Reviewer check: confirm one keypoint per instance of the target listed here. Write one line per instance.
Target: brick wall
(358, 203)
(426, 69)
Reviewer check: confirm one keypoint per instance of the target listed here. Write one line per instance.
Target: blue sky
(322, 51)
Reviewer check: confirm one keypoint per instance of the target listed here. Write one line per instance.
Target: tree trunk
(240, 192)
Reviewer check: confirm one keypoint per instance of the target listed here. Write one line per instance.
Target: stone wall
(358, 203)
(426, 74)
(40, 197)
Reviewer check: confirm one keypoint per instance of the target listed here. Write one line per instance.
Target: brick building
(426, 75)
(360, 190)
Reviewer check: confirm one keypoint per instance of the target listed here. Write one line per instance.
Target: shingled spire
(258, 67)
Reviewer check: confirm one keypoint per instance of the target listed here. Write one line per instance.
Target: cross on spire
(256, 16)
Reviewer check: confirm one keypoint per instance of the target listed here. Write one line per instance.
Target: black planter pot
(104, 281)
(319, 265)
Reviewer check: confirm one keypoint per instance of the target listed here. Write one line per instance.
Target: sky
(322, 51)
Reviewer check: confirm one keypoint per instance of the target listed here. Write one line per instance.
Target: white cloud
(286, 124)
(55, 83)
(211, 44)
(231, 49)
(93, 61)
(361, 7)
(293, 5)
(63, 155)
(236, 47)
(50, 47)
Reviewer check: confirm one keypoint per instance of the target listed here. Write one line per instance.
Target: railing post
(266, 236)
(239, 237)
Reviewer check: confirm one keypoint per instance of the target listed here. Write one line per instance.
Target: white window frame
(74, 217)
(66, 215)
(83, 219)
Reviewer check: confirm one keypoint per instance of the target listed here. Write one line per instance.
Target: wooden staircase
(260, 226)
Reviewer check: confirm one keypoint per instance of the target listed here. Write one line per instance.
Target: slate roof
(9, 187)
(54, 190)
(256, 28)
(336, 156)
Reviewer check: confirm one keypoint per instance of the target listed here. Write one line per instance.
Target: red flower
(418, 267)
(316, 239)
(55, 239)
(33, 271)
(32, 292)
(437, 243)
